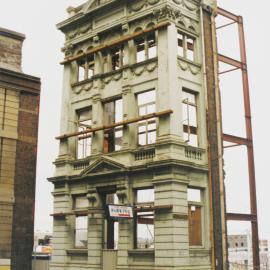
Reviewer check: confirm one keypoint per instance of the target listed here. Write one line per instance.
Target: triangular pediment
(104, 165)
(90, 5)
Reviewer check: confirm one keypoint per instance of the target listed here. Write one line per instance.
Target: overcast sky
(41, 57)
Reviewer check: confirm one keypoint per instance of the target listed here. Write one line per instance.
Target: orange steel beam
(231, 61)
(236, 139)
(248, 141)
(241, 217)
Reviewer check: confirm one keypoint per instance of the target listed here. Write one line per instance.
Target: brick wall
(25, 176)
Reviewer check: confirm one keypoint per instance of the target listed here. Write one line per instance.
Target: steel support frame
(248, 140)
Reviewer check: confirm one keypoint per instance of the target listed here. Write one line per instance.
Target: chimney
(11, 49)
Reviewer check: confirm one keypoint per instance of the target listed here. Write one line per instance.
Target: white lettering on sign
(120, 211)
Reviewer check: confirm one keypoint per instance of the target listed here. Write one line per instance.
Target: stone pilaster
(171, 225)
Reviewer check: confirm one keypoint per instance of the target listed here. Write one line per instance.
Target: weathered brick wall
(25, 176)
(10, 49)
(9, 105)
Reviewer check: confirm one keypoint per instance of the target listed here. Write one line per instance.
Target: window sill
(77, 251)
(198, 65)
(142, 252)
(113, 72)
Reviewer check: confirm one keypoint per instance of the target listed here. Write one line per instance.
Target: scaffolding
(248, 139)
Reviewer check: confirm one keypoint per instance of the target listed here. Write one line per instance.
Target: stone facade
(19, 107)
(126, 49)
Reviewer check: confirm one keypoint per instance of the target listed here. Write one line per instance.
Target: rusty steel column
(215, 142)
(250, 153)
(248, 140)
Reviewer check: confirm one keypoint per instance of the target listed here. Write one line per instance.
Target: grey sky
(37, 19)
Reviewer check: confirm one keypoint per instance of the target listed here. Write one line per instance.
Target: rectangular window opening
(152, 46)
(140, 48)
(185, 46)
(91, 66)
(81, 221)
(84, 122)
(81, 70)
(190, 49)
(147, 129)
(117, 58)
(144, 227)
(113, 138)
(190, 124)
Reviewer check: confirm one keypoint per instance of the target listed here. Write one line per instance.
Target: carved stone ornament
(139, 5)
(187, 4)
(194, 69)
(84, 88)
(92, 197)
(166, 12)
(68, 50)
(137, 71)
(78, 32)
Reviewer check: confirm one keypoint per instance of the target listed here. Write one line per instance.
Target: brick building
(19, 109)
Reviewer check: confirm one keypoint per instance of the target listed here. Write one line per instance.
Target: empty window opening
(194, 216)
(190, 125)
(144, 220)
(147, 129)
(185, 46)
(86, 68)
(190, 49)
(111, 226)
(140, 48)
(90, 66)
(81, 222)
(146, 47)
(113, 138)
(117, 58)
(81, 230)
(81, 70)
(84, 122)
(152, 46)
(180, 47)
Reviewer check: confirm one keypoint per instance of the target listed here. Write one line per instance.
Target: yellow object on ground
(2, 267)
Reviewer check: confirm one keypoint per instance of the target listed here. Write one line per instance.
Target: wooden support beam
(122, 123)
(115, 42)
(149, 208)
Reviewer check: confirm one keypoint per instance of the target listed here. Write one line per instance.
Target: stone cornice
(19, 81)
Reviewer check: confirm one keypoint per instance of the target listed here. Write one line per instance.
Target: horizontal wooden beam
(149, 208)
(115, 42)
(122, 123)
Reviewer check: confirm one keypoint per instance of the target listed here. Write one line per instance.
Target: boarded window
(113, 138)
(190, 125)
(84, 122)
(194, 217)
(147, 128)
